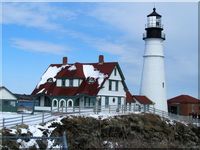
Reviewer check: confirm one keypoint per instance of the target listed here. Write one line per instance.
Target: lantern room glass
(154, 21)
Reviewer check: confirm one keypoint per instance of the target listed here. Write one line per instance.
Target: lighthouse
(153, 74)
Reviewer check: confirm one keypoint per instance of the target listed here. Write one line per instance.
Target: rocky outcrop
(126, 131)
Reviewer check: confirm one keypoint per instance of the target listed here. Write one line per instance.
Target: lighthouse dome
(154, 13)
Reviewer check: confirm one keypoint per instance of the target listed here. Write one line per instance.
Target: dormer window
(91, 80)
(50, 80)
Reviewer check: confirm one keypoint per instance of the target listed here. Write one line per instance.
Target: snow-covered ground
(103, 115)
(37, 131)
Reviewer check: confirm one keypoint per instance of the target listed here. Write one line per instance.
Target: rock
(127, 131)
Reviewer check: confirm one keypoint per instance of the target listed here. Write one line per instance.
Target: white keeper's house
(81, 84)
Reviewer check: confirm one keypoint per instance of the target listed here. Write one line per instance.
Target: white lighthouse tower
(153, 75)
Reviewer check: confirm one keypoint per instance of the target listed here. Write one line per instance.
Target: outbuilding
(184, 105)
(143, 102)
(8, 101)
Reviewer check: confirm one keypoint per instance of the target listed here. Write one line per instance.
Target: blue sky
(35, 35)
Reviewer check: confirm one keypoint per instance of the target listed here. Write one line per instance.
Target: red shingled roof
(142, 99)
(91, 89)
(129, 97)
(183, 99)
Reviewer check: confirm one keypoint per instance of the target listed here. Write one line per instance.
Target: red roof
(91, 89)
(183, 99)
(129, 97)
(142, 99)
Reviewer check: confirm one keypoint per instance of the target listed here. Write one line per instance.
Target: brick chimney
(101, 59)
(64, 60)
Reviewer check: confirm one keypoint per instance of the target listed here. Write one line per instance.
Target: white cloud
(37, 15)
(39, 46)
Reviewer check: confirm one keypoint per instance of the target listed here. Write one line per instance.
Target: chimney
(101, 59)
(64, 60)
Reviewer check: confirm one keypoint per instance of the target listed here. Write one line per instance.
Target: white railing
(43, 117)
(26, 119)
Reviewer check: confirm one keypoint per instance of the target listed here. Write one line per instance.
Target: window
(163, 84)
(106, 101)
(50, 80)
(59, 82)
(70, 82)
(113, 100)
(70, 104)
(116, 85)
(55, 103)
(63, 82)
(110, 85)
(113, 85)
(115, 71)
(91, 80)
(62, 104)
(86, 101)
(6, 102)
(119, 101)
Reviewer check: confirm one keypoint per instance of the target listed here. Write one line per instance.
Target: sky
(35, 35)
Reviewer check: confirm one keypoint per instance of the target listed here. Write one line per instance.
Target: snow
(23, 131)
(73, 67)
(110, 144)
(41, 91)
(171, 122)
(13, 131)
(100, 115)
(34, 129)
(28, 144)
(90, 71)
(37, 131)
(51, 72)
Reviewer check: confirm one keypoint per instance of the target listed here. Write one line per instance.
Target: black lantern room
(154, 27)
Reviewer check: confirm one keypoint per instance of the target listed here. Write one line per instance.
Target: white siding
(113, 93)
(105, 91)
(111, 101)
(4, 94)
(58, 82)
(42, 101)
(103, 101)
(115, 77)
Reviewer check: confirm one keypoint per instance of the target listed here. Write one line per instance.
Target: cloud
(37, 15)
(39, 46)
